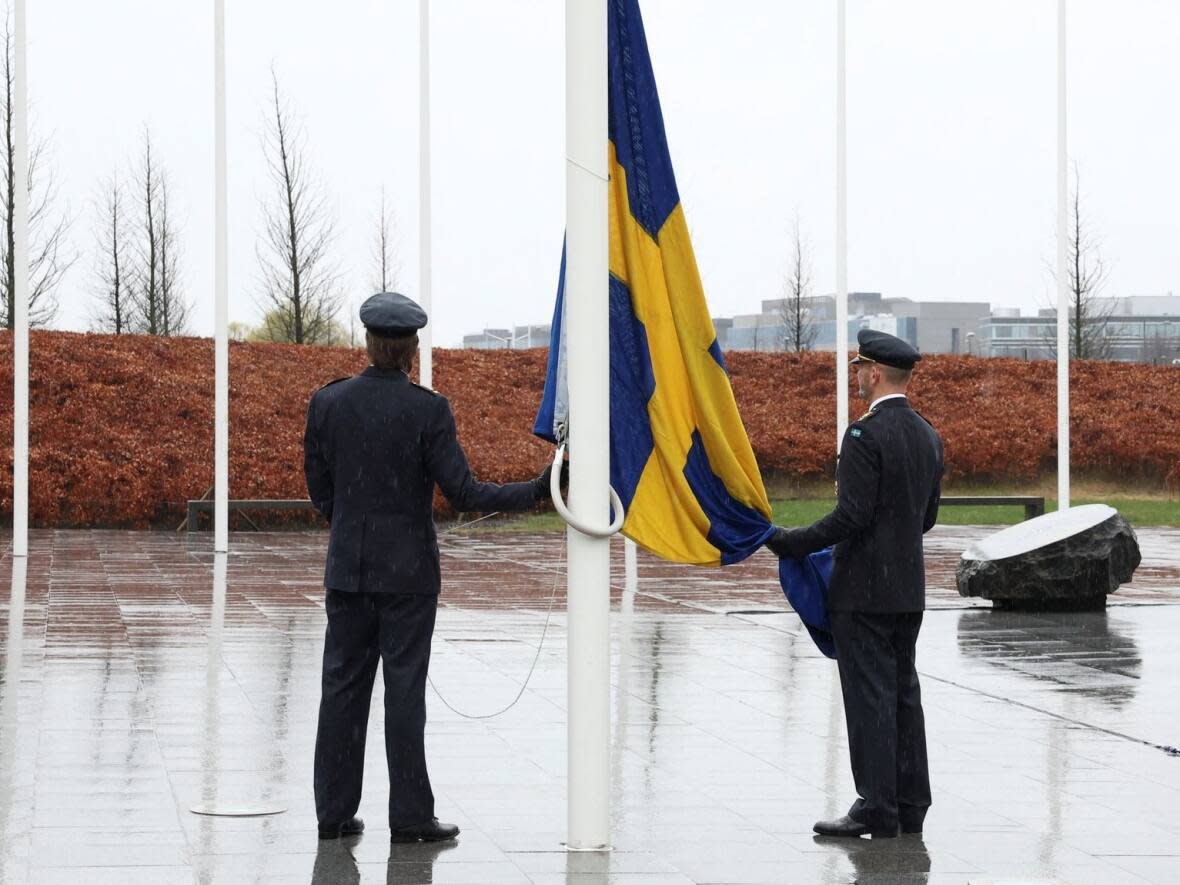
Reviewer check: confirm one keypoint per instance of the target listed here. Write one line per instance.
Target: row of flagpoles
(586, 194)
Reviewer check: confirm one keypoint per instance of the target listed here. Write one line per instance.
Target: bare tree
(160, 306)
(799, 328)
(300, 294)
(113, 270)
(49, 256)
(174, 306)
(1090, 330)
(385, 268)
(148, 299)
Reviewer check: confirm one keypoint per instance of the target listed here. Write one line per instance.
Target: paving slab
(134, 686)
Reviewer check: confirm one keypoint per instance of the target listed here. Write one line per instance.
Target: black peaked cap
(392, 314)
(886, 349)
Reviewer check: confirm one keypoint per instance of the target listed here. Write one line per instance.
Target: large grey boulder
(1064, 561)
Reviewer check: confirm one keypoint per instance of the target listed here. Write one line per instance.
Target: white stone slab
(1041, 531)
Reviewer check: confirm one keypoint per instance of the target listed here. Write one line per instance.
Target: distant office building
(931, 326)
(516, 338)
(1144, 328)
(1136, 329)
(1008, 333)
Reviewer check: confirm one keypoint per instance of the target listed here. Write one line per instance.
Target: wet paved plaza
(142, 678)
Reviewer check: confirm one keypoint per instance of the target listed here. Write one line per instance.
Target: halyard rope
(536, 656)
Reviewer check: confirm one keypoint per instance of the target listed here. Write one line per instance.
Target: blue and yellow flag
(680, 457)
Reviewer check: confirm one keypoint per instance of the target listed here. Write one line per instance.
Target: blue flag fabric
(805, 583)
(680, 458)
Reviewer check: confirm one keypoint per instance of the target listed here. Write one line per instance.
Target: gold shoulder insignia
(427, 389)
(869, 414)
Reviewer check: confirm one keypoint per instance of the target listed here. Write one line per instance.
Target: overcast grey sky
(951, 139)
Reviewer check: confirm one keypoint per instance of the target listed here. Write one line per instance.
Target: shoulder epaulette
(923, 417)
(427, 389)
(336, 381)
(867, 415)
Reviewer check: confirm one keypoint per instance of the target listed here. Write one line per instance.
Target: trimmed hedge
(122, 426)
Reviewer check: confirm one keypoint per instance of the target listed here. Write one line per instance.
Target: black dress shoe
(847, 827)
(911, 818)
(354, 826)
(431, 831)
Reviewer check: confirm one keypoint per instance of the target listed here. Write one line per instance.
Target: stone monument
(1069, 560)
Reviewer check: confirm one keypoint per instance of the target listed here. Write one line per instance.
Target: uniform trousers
(883, 708)
(362, 629)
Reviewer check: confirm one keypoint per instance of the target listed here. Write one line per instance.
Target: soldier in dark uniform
(375, 447)
(888, 486)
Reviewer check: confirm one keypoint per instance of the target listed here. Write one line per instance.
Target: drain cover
(757, 611)
(237, 809)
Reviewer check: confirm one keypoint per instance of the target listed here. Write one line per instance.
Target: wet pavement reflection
(1091, 653)
(142, 676)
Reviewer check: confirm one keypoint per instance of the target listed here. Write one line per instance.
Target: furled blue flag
(680, 458)
(805, 581)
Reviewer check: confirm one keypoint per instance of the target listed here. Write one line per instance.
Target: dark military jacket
(374, 448)
(888, 484)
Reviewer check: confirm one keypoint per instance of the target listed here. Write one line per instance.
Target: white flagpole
(425, 296)
(1063, 306)
(221, 292)
(1062, 271)
(20, 294)
(841, 233)
(586, 279)
(10, 698)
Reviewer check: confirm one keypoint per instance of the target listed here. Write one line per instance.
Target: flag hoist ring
(616, 503)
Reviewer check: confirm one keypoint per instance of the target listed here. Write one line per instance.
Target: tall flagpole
(586, 278)
(1062, 271)
(841, 232)
(20, 294)
(221, 292)
(425, 336)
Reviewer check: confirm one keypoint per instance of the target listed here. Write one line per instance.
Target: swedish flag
(680, 457)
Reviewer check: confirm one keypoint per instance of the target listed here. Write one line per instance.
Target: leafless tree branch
(799, 328)
(112, 266)
(385, 269)
(1089, 314)
(300, 291)
(174, 306)
(146, 293)
(49, 255)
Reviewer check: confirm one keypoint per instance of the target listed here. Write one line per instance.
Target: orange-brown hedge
(121, 427)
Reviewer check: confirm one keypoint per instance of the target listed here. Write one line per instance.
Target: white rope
(464, 525)
(528, 677)
(577, 525)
